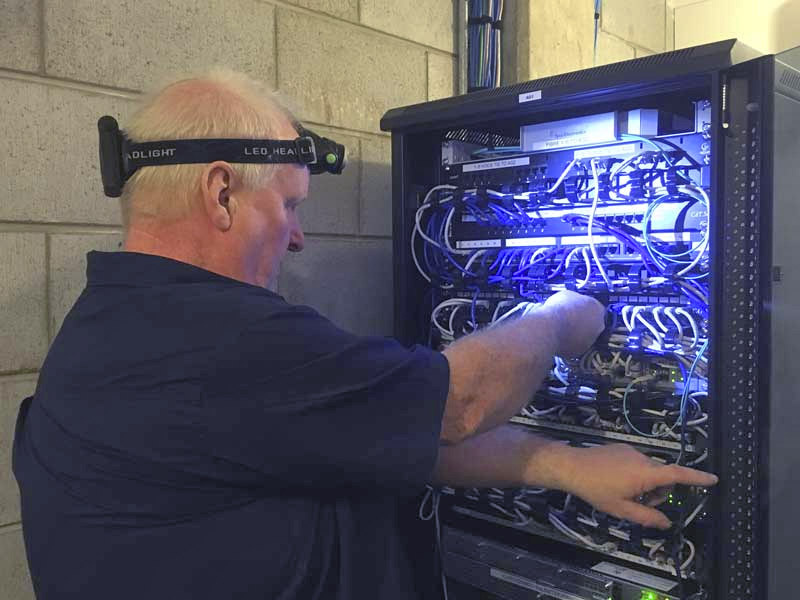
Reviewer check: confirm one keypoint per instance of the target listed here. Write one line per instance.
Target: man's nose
(297, 240)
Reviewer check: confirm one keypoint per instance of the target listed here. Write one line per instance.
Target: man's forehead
(294, 180)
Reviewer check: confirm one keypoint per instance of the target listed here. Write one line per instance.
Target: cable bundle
(483, 43)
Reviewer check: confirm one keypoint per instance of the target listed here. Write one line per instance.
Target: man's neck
(181, 244)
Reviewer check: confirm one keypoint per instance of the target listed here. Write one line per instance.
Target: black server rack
(666, 187)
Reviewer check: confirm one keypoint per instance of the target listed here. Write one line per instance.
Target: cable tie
(485, 20)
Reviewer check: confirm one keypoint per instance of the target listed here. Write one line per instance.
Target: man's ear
(216, 184)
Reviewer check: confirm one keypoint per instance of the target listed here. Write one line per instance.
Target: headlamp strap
(177, 152)
(120, 157)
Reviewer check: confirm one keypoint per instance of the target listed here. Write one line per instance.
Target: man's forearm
(494, 373)
(506, 456)
(612, 478)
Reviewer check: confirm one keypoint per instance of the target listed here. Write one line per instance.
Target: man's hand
(579, 320)
(612, 478)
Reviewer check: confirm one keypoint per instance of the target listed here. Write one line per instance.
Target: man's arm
(610, 478)
(494, 373)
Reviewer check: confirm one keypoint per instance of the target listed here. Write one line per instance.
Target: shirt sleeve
(306, 403)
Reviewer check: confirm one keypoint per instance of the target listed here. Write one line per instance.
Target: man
(194, 436)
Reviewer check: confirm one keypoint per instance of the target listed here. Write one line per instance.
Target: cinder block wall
(557, 36)
(65, 63)
(769, 26)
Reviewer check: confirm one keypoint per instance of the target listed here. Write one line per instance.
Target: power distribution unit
(666, 188)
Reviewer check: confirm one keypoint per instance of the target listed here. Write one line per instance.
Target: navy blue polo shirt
(196, 437)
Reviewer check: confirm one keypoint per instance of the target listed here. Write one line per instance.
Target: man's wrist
(553, 466)
(545, 319)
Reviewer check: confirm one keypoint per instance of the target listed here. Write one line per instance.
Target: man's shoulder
(258, 304)
(250, 298)
(255, 317)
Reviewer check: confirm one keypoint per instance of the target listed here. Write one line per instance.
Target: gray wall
(64, 63)
(548, 37)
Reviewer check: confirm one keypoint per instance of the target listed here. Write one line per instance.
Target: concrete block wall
(768, 26)
(341, 63)
(557, 36)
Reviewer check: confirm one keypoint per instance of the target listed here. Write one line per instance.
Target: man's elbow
(461, 425)
(465, 410)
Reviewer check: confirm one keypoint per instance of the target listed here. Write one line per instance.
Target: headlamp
(120, 157)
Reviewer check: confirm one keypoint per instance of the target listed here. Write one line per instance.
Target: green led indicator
(330, 158)
(648, 595)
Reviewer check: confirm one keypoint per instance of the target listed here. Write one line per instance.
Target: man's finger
(643, 515)
(656, 496)
(674, 474)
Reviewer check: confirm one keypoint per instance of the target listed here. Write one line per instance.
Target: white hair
(219, 104)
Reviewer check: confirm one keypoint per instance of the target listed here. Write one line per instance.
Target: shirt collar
(137, 269)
